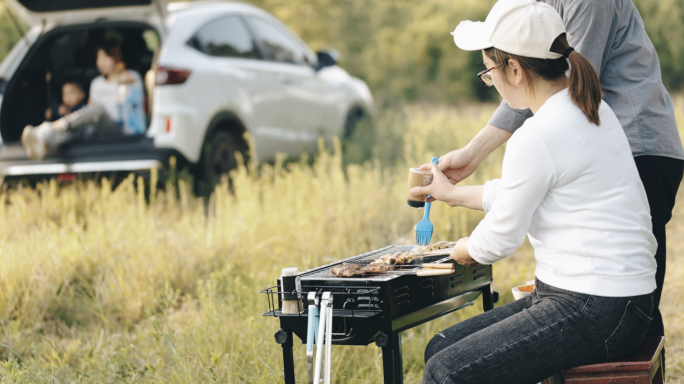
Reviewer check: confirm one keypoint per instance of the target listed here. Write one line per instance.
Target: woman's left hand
(460, 253)
(441, 188)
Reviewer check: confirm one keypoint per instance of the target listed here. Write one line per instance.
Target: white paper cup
(518, 294)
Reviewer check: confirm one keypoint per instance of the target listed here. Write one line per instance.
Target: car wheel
(358, 138)
(218, 158)
(354, 118)
(222, 157)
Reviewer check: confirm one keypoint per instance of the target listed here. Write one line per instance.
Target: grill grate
(365, 259)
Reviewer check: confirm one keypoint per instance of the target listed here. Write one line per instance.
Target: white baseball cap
(520, 27)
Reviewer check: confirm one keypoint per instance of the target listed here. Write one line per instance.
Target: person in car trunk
(569, 183)
(73, 99)
(100, 118)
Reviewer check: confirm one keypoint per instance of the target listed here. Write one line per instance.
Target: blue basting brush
(424, 227)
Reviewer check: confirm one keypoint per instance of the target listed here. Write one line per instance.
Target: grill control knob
(381, 339)
(280, 336)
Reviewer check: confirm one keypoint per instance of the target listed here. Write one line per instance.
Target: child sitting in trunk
(102, 117)
(73, 99)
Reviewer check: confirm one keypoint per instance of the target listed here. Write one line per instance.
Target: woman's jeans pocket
(629, 333)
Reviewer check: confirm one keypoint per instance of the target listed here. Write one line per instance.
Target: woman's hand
(460, 253)
(461, 163)
(457, 164)
(441, 188)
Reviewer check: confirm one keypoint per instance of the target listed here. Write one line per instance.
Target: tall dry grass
(101, 285)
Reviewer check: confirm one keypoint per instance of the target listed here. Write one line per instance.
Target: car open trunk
(67, 54)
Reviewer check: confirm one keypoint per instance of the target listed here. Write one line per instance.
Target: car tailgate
(98, 156)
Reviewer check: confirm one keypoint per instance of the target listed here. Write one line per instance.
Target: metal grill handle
(327, 297)
(311, 329)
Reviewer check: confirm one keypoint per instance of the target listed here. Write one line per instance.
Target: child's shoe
(33, 139)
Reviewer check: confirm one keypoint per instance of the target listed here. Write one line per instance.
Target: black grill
(377, 308)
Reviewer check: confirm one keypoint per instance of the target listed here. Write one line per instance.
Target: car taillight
(166, 76)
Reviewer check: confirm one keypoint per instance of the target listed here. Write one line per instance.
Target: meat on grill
(441, 245)
(347, 270)
(377, 268)
(352, 270)
(400, 258)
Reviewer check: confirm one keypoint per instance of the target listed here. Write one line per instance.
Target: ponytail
(584, 85)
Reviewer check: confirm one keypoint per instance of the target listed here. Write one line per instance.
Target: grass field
(101, 286)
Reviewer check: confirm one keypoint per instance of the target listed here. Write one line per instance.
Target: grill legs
(487, 300)
(398, 363)
(392, 365)
(489, 297)
(284, 338)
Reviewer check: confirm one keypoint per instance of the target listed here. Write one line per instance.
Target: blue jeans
(531, 339)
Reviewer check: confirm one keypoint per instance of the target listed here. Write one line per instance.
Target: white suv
(213, 71)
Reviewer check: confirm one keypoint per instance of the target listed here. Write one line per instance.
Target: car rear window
(224, 37)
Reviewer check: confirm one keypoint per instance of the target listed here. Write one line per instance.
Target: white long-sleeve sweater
(574, 189)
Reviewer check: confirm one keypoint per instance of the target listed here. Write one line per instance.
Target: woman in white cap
(612, 35)
(569, 182)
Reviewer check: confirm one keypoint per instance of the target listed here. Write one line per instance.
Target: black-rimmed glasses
(486, 75)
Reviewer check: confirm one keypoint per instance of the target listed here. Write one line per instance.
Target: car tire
(354, 118)
(223, 147)
(358, 137)
(218, 159)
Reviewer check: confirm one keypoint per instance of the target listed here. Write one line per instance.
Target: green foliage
(138, 285)
(9, 31)
(664, 21)
(403, 48)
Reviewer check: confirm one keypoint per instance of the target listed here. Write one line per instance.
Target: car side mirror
(326, 59)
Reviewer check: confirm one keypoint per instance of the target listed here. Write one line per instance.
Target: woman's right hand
(456, 165)
(461, 163)
(440, 188)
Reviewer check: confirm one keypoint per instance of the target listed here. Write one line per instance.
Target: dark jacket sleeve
(509, 119)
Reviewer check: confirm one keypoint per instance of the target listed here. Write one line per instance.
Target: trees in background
(664, 21)
(403, 48)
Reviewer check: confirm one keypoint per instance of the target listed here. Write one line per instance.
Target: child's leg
(88, 122)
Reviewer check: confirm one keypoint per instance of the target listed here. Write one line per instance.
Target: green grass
(102, 286)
